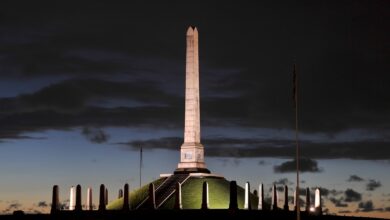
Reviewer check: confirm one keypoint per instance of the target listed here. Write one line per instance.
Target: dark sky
(66, 64)
(88, 66)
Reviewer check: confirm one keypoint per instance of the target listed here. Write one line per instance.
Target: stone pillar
(233, 196)
(247, 202)
(152, 196)
(285, 206)
(55, 201)
(274, 205)
(126, 206)
(120, 193)
(261, 197)
(192, 151)
(89, 205)
(102, 201)
(317, 202)
(72, 198)
(78, 206)
(296, 197)
(308, 200)
(178, 204)
(205, 195)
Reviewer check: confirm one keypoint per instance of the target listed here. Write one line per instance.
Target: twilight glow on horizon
(84, 85)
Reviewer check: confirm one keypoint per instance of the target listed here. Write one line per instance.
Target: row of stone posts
(75, 198)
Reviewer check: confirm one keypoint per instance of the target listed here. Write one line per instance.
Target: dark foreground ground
(177, 214)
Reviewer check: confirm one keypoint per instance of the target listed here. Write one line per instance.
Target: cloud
(305, 165)
(14, 205)
(355, 178)
(387, 209)
(283, 181)
(338, 202)
(352, 196)
(372, 185)
(367, 206)
(252, 147)
(42, 204)
(95, 135)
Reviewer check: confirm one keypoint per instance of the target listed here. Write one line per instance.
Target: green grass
(219, 193)
(136, 196)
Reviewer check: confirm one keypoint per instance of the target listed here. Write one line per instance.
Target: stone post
(126, 206)
(120, 193)
(247, 202)
(102, 203)
(285, 206)
(152, 196)
(89, 199)
(78, 206)
(55, 201)
(205, 195)
(317, 202)
(308, 200)
(274, 205)
(178, 204)
(72, 198)
(261, 197)
(233, 196)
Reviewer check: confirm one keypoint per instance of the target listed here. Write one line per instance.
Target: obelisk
(192, 151)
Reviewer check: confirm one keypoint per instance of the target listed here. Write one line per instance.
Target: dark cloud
(368, 206)
(14, 205)
(373, 184)
(355, 178)
(352, 196)
(283, 181)
(243, 88)
(95, 135)
(305, 165)
(42, 204)
(236, 147)
(262, 163)
(387, 209)
(338, 202)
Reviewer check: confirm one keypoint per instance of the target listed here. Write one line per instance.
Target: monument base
(191, 170)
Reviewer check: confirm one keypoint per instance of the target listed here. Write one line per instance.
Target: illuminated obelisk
(192, 151)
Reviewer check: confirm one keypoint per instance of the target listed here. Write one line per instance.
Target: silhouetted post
(126, 198)
(285, 206)
(106, 197)
(78, 206)
(317, 202)
(308, 200)
(274, 198)
(102, 203)
(205, 196)
(233, 196)
(89, 199)
(120, 193)
(178, 204)
(261, 197)
(152, 196)
(247, 203)
(55, 201)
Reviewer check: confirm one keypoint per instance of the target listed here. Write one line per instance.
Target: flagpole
(140, 167)
(296, 140)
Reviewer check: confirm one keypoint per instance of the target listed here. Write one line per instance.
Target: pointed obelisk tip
(192, 30)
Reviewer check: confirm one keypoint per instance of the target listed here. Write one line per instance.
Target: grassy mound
(219, 194)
